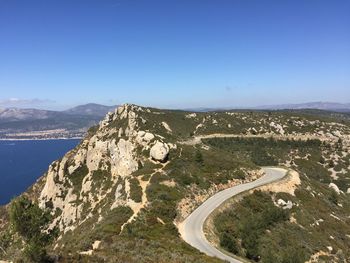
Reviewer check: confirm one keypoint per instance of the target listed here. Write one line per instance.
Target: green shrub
(264, 152)
(247, 222)
(135, 190)
(198, 157)
(77, 177)
(112, 223)
(229, 242)
(101, 179)
(333, 197)
(31, 223)
(5, 241)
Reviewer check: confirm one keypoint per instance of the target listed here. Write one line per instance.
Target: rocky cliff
(102, 165)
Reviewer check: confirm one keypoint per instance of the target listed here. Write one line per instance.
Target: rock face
(159, 151)
(100, 168)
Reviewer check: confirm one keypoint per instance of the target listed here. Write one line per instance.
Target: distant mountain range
(90, 109)
(330, 106)
(327, 106)
(17, 114)
(18, 123)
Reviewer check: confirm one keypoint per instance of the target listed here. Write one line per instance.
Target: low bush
(135, 190)
(248, 221)
(31, 223)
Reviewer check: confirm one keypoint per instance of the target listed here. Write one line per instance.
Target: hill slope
(91, 109)
(40, 124)
(120, 195)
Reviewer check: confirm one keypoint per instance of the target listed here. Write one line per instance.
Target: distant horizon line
(307, 105)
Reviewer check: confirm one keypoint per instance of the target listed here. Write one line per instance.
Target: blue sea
(23, 162)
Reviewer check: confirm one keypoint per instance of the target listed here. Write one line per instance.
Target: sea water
(23, 162)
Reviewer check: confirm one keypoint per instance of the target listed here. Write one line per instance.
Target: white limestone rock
(107, 119)
(148, 137)
(120, 132)
(278, 127)
(281, 202)
(337, 133)
(159, 151)
(172, 146)
(96, 244)
(191, 115)
(141, 133)
(97, 150)
(123, 161)
(167, 127)
(284, 204)
(334, 187)
(252, 130)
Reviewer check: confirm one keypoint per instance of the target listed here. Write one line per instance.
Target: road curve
(191, 229)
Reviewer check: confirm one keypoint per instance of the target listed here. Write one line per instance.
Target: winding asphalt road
(192, 228)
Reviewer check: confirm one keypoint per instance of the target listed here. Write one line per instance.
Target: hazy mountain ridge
(17, 114)
(16, 123)
(91, 109)
(328, 106)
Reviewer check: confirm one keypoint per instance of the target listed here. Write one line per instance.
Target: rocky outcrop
(278, 127)
(334, 187)
(284, 204)
(167, 127)
(159, 151)
(99, 166)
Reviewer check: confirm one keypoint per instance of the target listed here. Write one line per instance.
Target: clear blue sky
(174, 53)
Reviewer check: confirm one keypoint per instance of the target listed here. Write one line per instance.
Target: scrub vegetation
(258, 229)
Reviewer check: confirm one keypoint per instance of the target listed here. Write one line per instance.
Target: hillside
(41, 124)
(121, 194)
(90, 109)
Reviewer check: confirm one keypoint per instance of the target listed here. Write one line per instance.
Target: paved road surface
(192, 228)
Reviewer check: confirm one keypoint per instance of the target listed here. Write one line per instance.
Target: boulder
(167, 127)
(284, 204)
(337, 134)
(334, 187)
(281, 202)
(159, 151)
(148, 137)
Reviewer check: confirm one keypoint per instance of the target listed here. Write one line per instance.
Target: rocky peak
(96, 174)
